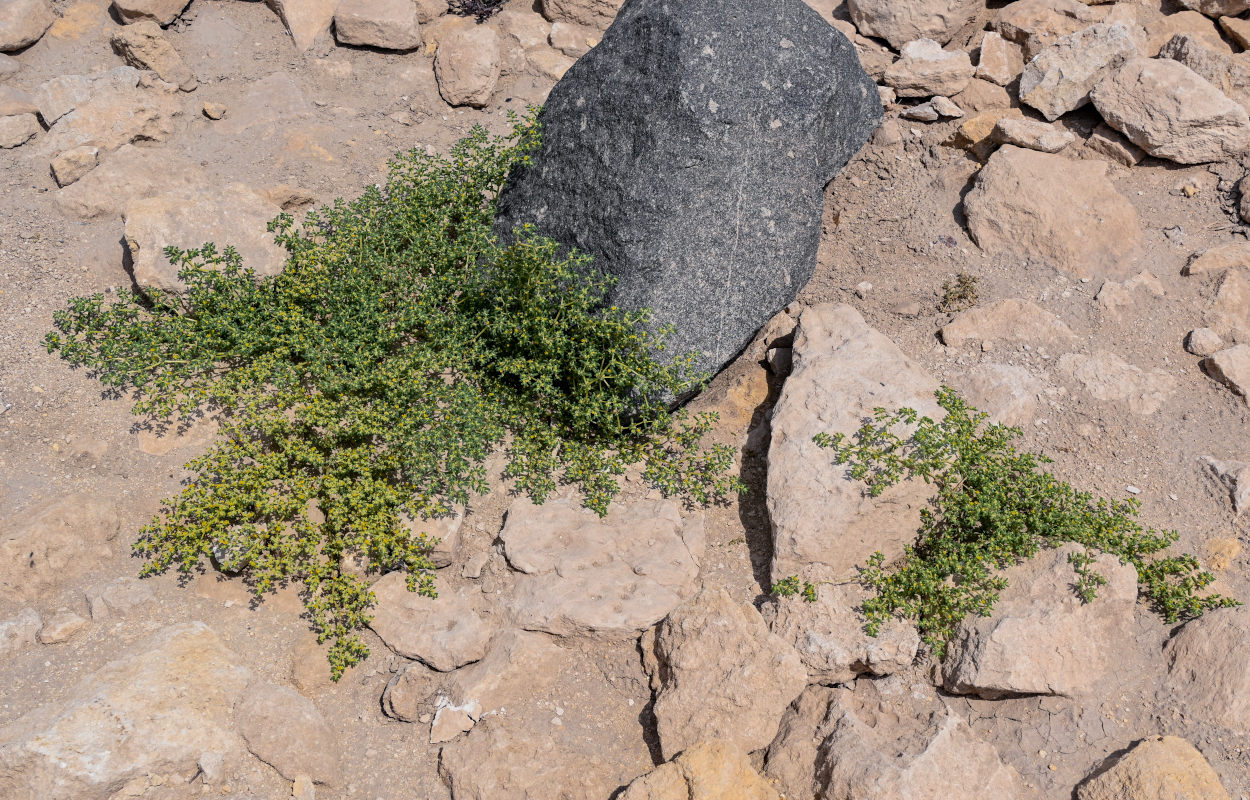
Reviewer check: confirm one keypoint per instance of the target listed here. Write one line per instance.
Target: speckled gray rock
(688, 153)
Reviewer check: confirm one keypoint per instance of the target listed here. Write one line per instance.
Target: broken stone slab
(19, 631)
(57, 97)
(14, 101)
(612, 576)
(149, 111)
(467, 65)
(933, 110)
(925, 70)
(1037, 24)
(62, 626)
(975, 135)
(144, 46)
(446, 632)
(1060, 77)
(1203, 342)
(74, 163)
(1169, 111)
(1219, 259)
(286, 731)
(187, 218)
(1235, 477)
(23, 22)
(119, 596)
(1032, 135)
(1228, 313)
(829, 636)
(572, 39)
(1060, 209)
(900, 23)
(387, 24)
(719, 672)
(130, 173)
(821, 517)
(1106, 377)
(59, 542)
(161, 11)
(597, 14)
(1231, 367)
(1209, 669)
(18, 129)
(1008, 393)
(1228, 73)
(1009, 321)
(1110, 143)
(1001, 61)
(979, 96)
(1161, 766)
(714, 770)
(305, 20)
(725, 204)
(1040, 637)
(1217, 8)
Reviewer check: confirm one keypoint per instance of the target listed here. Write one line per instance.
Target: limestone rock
(444, 632)
(129, 174)
(1047, 206)
(1217, 8)
(1162, 767)
(74, 163)
(1040, 638)
(720, 674)
(1008, 321)
(9, 67)
(523, 26)
(1237, 29)
(1161, 31)
(118, 596)
(1060, 78)
(1108, 378)
(18, 129)
(900, 23)
(57, 97)
(1032, 135)
(933, 110)
(669, 219)
(925, 70)
(305, 20)
(162, 11)
(61, 541)
(822, 518)
(187, 218)
(17, 632)
(1231, 367)
(14, 101)
(156, 710)
(713, 770)
(1209, 668)
(1203, 342)
(284, 729)
(572, 39)
(23, 22)
(467, 65)
(1007, 393)
(1235, 477)
(829, 635)
(1001, 61)
(143, 45)
(1229, 311)
(1170, 112)
(1037, 24)
(614, 576)
(597, 14)
(62, 626)
(1107, 141)
(1230, 74)
(975, 134)
(1219, 259)
(979, 96)
(388, 24)
(117, 115)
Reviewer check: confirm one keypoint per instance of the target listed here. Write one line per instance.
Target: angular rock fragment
(699, 193)
(23, 22)
(62, 626)
(305, 20)
(713, 770)
(1032, 135)
(131, 173)
(467, 65)
(388, 24)
(1161, 766)
(821, 518)
(900, 23)
(18, 632)
(925, 70)
(1037, 24)
(1217, 8)
(1209, 669)
(284, 729)
(445, 632)
(1107, 141)
(1161, 31)
(143, 45)
(1203, 342)
(1235, 477)
(1061, 76)
(1006, 392)
(161, 11)
(1219, 259)
(1048, 206)
(1228, 73)
(1170, 112)
(18, 129)
(1106, 377)
(720, 673)
(1001, 61)
(74, 163)
(1231, 367)
(57, 543)
(1009, 321)
(597, 14)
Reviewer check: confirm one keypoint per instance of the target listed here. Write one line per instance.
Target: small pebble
(1132, 490)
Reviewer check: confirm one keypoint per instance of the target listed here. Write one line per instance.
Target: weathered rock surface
(1218, 259)
(719, 673)
(1009, 321)
(572, 39)
(1231, 367)
(162, 11)
(119, 596)
(467, 65)
(119, 115)
(1169, 111)
(884, 740)
(444, 632)
(714, 770)
(700, 193)
(17, 632)
(1217, 8)
(62, 626)
(981, 95)
(829, 635)
(1037, 24)
(59, 96)
(1203, 342)
(1162, 30)
(821, 518)
(1209, 669)
(1060, 78)
(22, 22)
(1162, 767)
(1235, 477)
(614, 576)
(157, 710)
(1032, 135)
(187, 218)
(18, 129)
(1229, 311)
(1228, 73)
(1048, 206)
(1107, 377)
(284, 729)
(900, 23)
(74, 163)
(388, 24)
(60, 542)
(143, 45)
(131, 173)
(596, 14)
(1008, 393)
(1110, 143)
(1041, 638)
(411, 693)
(925, 70)
(305, 20)
(1001, 61)
(446, 529)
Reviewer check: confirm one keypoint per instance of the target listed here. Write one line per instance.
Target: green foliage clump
(791, 586)
(363, 388)
(994, 508)
(960, 293)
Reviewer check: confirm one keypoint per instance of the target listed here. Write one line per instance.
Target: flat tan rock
(23, 22)
(444, 632)
(597, 14)
(1162, 767)
(1219, 259)
(1001, 61)
(900, 23)
(467, 65)
(56, 543)
(1106, 377)
(1160, 31)
(713, 770)
(1010, 322)
(1061, 76)
(926, 70)
(1231, 367)
(1209, 668)
(1046, 206)
(387, 24)
(1037, 24)
(1229, 311)
(160, 11)
(305, 20)
(143, 45)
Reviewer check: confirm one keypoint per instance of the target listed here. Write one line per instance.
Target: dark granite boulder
(688, 153)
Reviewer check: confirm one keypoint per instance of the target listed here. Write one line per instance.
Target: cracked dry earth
(171, 688)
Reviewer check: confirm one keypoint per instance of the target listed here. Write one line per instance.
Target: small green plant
(994, 508)
(959, 294)
(481, 10)
(791, 586)
(367, 383)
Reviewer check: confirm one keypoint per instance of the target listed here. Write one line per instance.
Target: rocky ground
(1083, 162)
